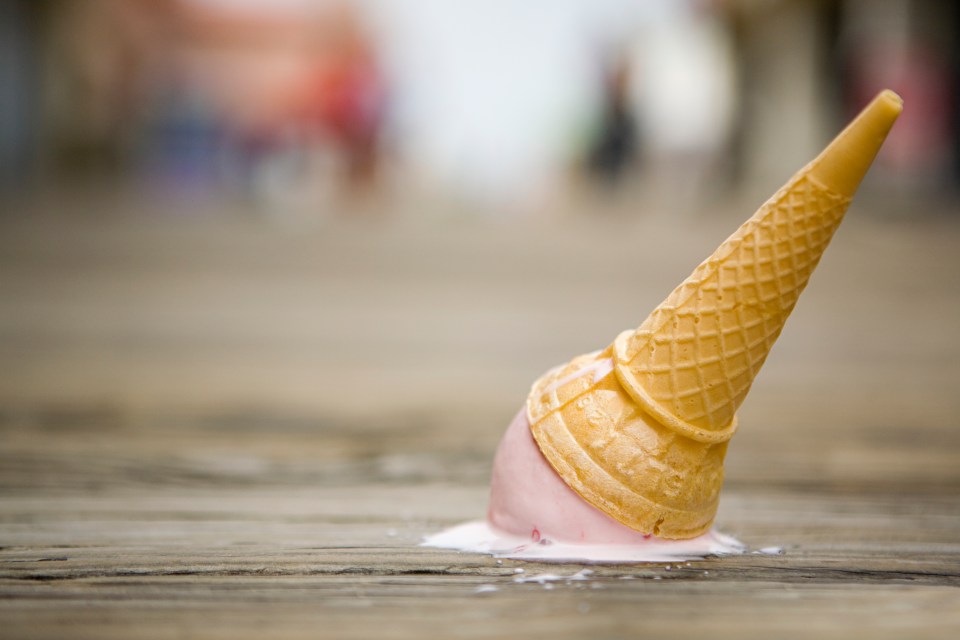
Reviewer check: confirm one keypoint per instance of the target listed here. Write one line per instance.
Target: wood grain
(226, 429)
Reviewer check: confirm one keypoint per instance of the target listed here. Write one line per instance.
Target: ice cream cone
(640, 430)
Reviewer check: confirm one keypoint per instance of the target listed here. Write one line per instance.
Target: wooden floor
(233, 428)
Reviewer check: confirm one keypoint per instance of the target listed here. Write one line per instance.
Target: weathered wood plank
(225, 430)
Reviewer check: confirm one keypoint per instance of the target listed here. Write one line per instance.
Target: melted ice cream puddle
(534, 515)
(480, 537)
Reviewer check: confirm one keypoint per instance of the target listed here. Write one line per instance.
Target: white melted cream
(480, 537)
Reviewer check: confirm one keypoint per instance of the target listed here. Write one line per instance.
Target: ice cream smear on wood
(624, 447)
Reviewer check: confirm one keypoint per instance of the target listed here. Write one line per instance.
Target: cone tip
(888, 106)
(893, 101)
(846, 160)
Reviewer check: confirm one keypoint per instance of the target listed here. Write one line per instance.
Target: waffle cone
(640, 430)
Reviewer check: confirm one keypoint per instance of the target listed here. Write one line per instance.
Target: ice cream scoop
(549, 510)
(629, 442)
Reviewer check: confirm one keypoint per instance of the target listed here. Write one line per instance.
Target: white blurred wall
(495, 92)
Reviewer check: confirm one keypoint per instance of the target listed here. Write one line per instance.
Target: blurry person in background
(314, 139)
(614, 149)
(344, 101)
(668, 111)
(299, 92)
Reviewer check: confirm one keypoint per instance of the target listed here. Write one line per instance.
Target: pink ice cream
(528, 498)
(534, 515)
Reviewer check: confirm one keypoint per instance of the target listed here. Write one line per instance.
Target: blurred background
(380, 220)
(310, 105)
